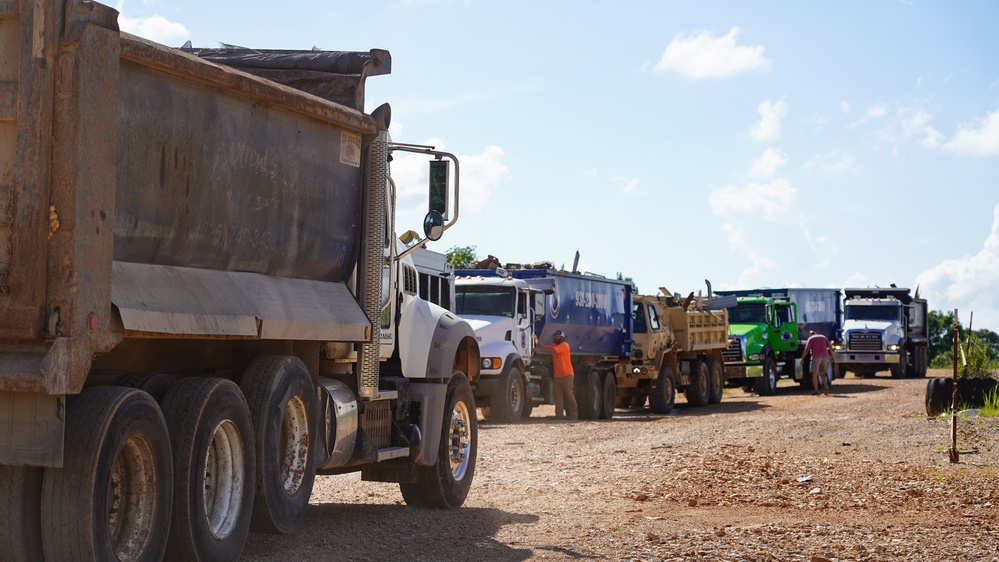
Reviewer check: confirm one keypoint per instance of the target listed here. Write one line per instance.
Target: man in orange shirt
(565, 399)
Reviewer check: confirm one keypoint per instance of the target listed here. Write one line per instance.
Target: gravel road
(861, 474)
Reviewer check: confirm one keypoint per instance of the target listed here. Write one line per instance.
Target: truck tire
(609, 399)
(662, 395)
(111, 498)
(282, 402)
(508, 405)
(445, 485)
(899, 370)
(20, 511)
(716, 380)
(699, 389)
(767, 384)
(155, 384)
(939, 396)
(589, 391)
(213, 458)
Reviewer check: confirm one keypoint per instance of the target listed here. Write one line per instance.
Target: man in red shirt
(565, 399)
(818, 346)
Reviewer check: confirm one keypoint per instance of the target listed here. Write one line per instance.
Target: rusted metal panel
(209, 180)
(27, 44)
(54, 366)
(116, 148)
(190, 302)
(335, 76)
(245, 86)
(31, 429)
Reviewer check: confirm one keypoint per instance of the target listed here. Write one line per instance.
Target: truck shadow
(840, 386)
(337, 531)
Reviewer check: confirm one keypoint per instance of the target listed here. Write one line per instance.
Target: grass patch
(991, 407)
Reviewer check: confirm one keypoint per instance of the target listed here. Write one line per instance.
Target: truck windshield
(484, 301)
(641, 322)
(749, 313)
(886, 313)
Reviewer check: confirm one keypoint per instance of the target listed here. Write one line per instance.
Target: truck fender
(434, 342)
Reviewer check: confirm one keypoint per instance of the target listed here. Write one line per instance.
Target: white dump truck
(202, 300)
(502, 310)
(884, 329)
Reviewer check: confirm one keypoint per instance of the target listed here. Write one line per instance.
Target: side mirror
(439, 172)
(433, 226)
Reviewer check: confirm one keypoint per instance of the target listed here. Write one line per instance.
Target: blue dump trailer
(594, 313)
(753, 358)
(625, 348)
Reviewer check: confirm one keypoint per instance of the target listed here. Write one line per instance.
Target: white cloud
(768, 163)
(844, 108)
(969, 283)
(768, 127)
(977, 139)
(630, 184)
(155, 28)
(904, 125)
(705, 56)
(833, 163)
(758, 214)
(773, 200)
(873, 113)
(480, 173)
(817, 121)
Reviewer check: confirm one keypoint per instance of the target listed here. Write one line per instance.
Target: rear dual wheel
(283, 407)
(213, 456)
(609, 398)
(699, 390)
(589, 390)
(112, 498)
(716, 380)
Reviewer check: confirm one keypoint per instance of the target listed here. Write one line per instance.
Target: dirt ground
(861, 474)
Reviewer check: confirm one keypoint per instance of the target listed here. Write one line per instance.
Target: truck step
(392, 453)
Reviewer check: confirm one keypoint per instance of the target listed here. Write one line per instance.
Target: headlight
(755, 356)
(491, 363)
(893, 347)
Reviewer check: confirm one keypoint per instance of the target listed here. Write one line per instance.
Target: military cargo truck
(202, 302)
(677, 346)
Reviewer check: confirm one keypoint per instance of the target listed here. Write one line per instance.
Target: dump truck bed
(144, 190)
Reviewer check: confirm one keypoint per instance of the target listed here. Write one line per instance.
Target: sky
(752, 144)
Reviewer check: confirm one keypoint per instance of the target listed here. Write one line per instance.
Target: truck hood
(490, 329)
(881, 325)
(491, 332)
(746, 330)
(483, 323)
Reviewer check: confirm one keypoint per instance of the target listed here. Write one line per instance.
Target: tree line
(981, 344)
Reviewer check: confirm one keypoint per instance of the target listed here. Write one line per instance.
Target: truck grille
(733, 353)
(865, 341)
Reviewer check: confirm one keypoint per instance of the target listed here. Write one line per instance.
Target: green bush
(991, 407)
(979, 363)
